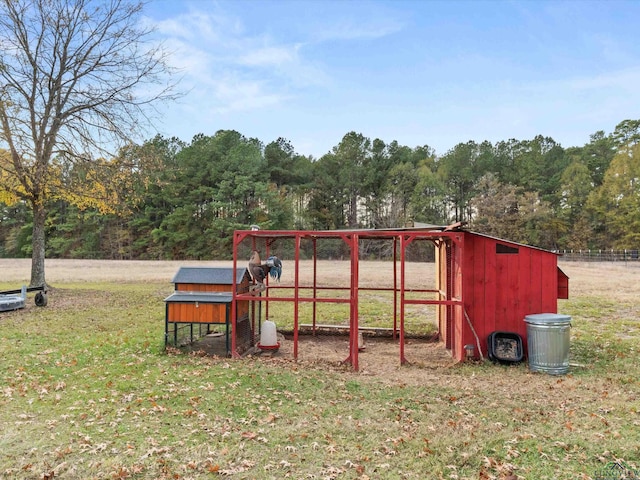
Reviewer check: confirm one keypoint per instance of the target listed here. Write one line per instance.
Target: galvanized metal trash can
(548, 337)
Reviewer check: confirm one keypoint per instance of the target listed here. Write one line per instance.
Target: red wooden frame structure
(482, 283)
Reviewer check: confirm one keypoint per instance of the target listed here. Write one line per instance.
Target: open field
(87, 391)
(65, 271)
(617, 280)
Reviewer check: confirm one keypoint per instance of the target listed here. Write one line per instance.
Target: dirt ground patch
(379, 356)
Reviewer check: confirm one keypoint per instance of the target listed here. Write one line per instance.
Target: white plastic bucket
(268, 334)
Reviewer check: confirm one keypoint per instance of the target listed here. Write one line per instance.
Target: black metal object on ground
(15, 299)
(11, 302)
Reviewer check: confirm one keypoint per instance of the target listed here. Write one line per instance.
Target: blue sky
(420, 72)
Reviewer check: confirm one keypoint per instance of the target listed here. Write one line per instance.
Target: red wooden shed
(483, 284)
(498, 282)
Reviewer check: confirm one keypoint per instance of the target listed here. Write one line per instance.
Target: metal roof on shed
(429, 230)
(208, 275)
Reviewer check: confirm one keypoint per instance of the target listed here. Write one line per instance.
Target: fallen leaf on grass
(269, 418)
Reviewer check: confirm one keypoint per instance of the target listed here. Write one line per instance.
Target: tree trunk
(37, 244)
(353, 212)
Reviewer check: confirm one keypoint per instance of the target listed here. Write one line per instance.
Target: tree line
(167, 199)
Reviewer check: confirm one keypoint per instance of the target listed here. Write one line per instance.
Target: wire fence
(602, 255)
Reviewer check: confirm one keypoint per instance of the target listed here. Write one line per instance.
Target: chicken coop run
(201, 303)
(477, 284)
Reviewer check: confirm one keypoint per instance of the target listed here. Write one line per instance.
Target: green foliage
(626, 134)
(617, 202)
(376, 168)
(506, 211)
(351, 155)
(174, 200)
(217, 185)
(597, 155)
(428, 196)
(496, 205)
(575, 189)
(15, 230)
(456, 169)
(74, 233)
(327, 197)
(402, 183)
(285, 167)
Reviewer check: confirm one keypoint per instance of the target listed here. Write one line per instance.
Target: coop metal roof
(199, 297)
(208, 275)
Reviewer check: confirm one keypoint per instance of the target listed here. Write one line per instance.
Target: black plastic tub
(505, 347)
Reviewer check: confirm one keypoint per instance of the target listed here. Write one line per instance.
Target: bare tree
(78, 80)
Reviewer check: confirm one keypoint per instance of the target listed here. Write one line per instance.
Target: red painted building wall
(502, 282)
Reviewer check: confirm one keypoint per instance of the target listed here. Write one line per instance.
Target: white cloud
(231, 70)
(269, 56)
(237, 94)
(362, 20)
(361, 29)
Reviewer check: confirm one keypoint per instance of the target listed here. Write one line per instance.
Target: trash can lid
(543, 318)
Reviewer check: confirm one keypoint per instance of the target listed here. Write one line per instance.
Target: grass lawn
(88, 392)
